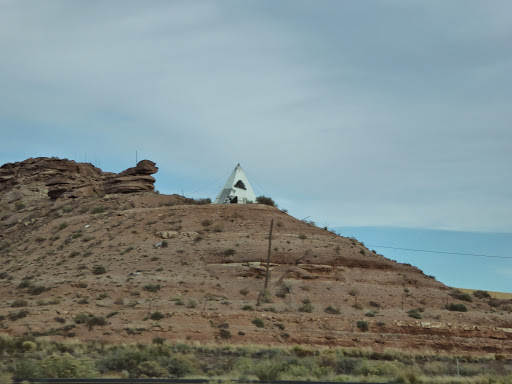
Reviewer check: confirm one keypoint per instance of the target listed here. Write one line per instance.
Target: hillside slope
(92, 264)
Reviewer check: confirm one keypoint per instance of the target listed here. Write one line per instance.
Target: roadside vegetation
(24, 358)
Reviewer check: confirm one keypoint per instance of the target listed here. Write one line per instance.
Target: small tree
(266, 200)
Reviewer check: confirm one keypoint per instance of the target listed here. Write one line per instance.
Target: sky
(389, 120)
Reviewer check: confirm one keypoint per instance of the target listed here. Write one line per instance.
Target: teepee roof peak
(237, 189)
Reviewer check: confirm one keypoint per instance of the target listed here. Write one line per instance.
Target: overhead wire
(441, 252)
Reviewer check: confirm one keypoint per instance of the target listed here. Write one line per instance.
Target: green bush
(18, 315)
(481, 294)
(229, 252)
(37, 289)
(258, 322)
(332, 310)
(63, 225)
(98, 209)
(266, 200)
(19, 205)
(19, 303)
(96, 320)
(461, 296)
(362, 325)
(457, 307)
(66, 366)
(247, 307)
(156, 316)
(81, 318)
(415, 313)
(151, 287)
(225, 334)
(99, 270)
(306, 306)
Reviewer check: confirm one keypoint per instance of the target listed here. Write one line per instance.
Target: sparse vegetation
(99, 270)
(151, 287)
(456, 307)
(481, 294)
(362, 325)
(307, 306)
(459, 295)
(332, 310)
(415, 313)
(266, 200)
(156, 316)
(229, 252)
(98, 209)
(258, 322)
(19, 303)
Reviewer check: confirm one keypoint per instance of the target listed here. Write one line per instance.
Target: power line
(442, 252)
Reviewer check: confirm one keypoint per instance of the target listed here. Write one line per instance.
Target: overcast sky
(356, 113)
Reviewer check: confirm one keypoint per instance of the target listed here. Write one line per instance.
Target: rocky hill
(100, 256)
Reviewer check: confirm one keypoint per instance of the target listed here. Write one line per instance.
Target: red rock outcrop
(63, 178)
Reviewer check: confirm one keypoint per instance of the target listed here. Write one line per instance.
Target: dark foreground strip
(164, 381)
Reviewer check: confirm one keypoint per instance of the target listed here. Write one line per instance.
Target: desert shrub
(152, 287)
(266, 200)
(151, 369)
(244, 291)
(192, 303)
(269, 370)
(96, 320)
(165, 244)
(353, 292)
(481, 294)
(99, 270)
(370, 314)
(63, 225)
(156, 316)
(302, 236)
(123, 360)
(374, 304)
(306, 306)
(37, 289)
(98, 209)
(206, 223)
(65, 366)
(18, 315)
(459, 295)
(283, 290)
(456, 307)
(179, 301)
(19, 205)
(19, 303)
(225, 334)
(25, 283)
(158, 340)
(362, 325)
(332, 310)
(414, 313)
(81, 318)
(229, 252)
(258, 322)
(494, 303)
(247, 307)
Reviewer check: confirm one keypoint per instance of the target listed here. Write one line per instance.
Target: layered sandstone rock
(63, 178)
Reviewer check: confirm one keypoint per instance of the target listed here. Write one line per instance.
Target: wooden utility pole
(267, 274)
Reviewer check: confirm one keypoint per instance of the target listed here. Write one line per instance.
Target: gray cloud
(357, 113)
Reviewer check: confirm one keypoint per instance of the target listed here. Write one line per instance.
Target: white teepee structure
(237, 189)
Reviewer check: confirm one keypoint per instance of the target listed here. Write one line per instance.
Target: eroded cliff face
(61, 178)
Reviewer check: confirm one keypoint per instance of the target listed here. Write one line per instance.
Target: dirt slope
(121, 258)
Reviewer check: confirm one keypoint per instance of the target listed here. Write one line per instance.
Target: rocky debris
(63, 178)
